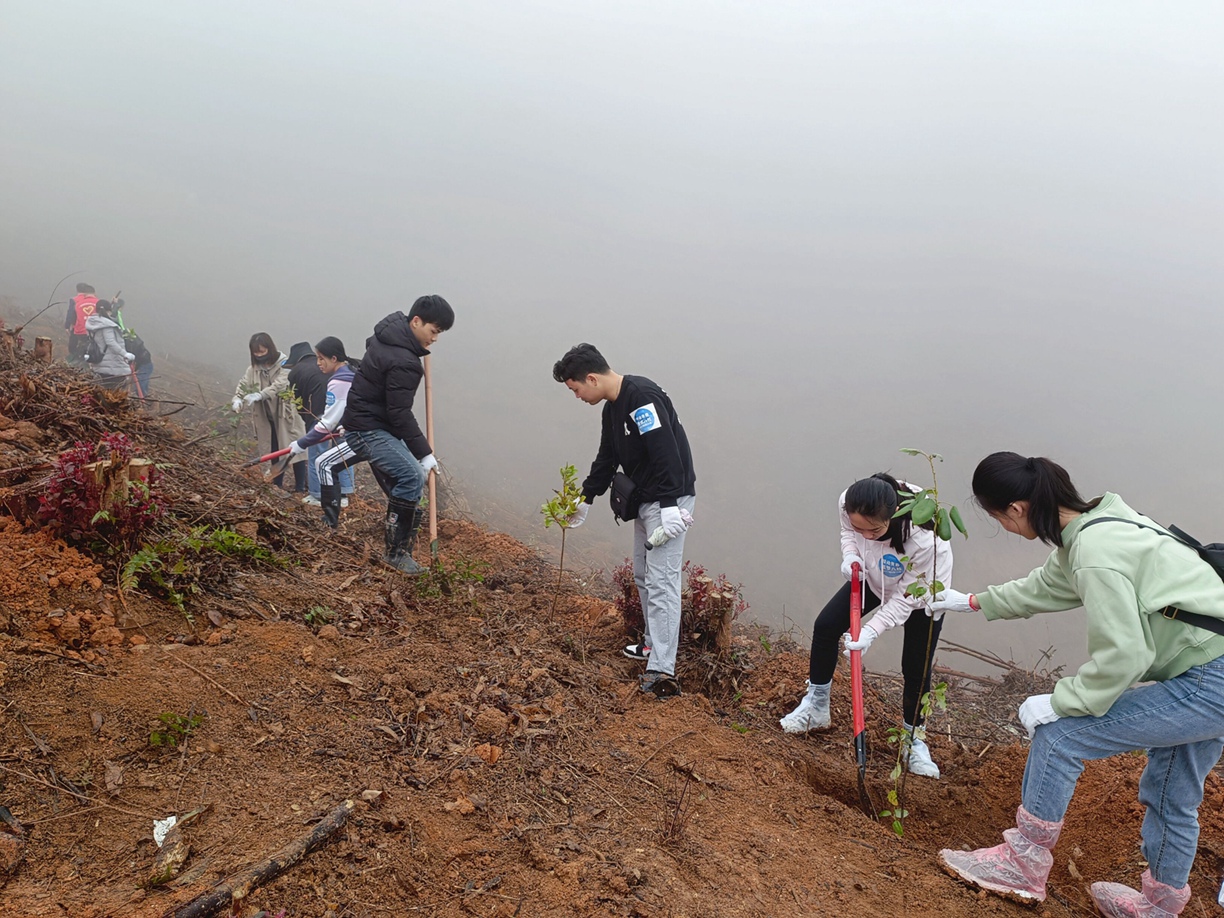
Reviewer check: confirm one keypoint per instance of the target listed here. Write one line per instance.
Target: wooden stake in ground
(238, 886)
(433, 473)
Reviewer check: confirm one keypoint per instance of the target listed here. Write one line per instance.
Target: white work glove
(847, 560)
(1035, 711)
(949, 601)
(253, 398)
(428, 464)
(687, 517)
(672, 522)
(129, 357)
(867, 634)
(236, 404)
(578, 517)
(295, 448)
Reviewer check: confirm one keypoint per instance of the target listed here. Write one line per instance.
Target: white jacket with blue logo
(885, 573)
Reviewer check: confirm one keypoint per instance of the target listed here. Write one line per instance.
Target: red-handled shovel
(282, 454)
(856, 689)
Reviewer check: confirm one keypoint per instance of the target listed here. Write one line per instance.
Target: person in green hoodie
(1132, 579)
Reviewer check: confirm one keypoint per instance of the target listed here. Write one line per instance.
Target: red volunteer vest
(86, 305)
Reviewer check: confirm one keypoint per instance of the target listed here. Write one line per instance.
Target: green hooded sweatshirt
(1123, 576)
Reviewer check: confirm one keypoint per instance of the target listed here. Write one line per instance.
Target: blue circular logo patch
(891, 566)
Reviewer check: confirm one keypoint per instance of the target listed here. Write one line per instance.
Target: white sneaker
(920, 762)
(812, 713)
(311, 501)
(344, 502)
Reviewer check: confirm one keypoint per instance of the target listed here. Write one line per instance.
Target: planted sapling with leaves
(925, 508)
(561, 510)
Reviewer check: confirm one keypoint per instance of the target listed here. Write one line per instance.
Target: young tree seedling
(560, 510)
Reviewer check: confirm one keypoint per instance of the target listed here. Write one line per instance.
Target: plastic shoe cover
(1155, 901)
(311, 501)
(344, 502)
(1016, 869)
(920, 761)
(813, 710)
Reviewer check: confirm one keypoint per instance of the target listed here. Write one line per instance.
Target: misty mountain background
(828, 230)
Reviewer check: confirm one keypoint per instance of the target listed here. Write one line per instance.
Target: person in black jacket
(381, 429)
(641, 434)
(309, 385)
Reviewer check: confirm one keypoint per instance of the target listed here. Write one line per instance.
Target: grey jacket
(110, 341)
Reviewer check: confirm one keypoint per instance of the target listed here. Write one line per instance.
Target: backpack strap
(1206, 622)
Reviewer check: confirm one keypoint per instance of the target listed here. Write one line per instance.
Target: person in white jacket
(877, 542)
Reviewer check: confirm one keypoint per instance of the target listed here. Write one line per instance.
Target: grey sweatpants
(657, 575)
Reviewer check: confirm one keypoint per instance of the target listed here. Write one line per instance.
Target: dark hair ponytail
(1001, 479)
(877, 498)
(332, 347)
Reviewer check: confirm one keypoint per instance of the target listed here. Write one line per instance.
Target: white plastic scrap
(161, 828)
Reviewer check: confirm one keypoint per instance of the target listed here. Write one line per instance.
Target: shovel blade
(276, 468)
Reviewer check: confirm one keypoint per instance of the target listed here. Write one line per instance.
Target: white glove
(949, 601)
(1035, 711)
(253, 398)
(672, 522)
(428, 464)
(578, 517)
(295, 448)
(847, 560)
(236, 404)
(687, 517)
(867, 634)
(129, 357)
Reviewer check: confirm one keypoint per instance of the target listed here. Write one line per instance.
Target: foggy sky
(829, 230)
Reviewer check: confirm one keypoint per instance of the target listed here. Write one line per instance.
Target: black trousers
(834, 621)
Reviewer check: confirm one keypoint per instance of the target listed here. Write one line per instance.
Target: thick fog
(828, 230)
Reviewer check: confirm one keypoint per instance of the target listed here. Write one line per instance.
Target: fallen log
(238, 886)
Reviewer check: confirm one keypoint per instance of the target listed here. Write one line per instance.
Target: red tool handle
(856, 656)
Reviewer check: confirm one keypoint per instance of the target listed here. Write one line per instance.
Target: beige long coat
(272, 411)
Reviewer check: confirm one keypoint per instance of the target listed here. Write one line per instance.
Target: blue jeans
(344, 476)
(1181, 725)
(143, 375)
(396, 470)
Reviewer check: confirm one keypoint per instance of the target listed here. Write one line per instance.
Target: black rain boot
(418, 518)
(329, 498)
(400, 529)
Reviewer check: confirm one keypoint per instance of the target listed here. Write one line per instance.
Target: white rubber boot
(813, 711)
(920, 762)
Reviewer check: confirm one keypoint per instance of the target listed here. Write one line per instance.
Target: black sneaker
(637, 651)
(660, 685)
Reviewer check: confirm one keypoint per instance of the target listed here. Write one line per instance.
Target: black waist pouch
(624, 498)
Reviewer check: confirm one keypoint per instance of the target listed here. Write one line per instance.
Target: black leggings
(834, 621)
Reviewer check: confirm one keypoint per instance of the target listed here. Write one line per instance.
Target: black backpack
(1212, 553)
(93, 352)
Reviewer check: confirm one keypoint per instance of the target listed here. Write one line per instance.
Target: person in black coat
(310, 386)
(381, 428)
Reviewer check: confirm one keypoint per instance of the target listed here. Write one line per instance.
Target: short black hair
(580, 361)
(85, 288)
(432, 309)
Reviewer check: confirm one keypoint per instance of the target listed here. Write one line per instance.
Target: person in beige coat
(264, 391)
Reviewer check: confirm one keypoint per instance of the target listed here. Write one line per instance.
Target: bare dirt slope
(501, 763)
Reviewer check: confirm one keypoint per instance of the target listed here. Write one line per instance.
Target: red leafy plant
(72, 500)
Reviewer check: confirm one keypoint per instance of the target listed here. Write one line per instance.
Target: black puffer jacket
(385, 384)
